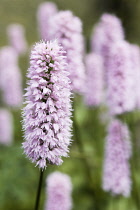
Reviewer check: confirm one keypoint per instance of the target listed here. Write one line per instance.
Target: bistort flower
(108, 31)
(6, 127)
(16, 36)
(67, 28)
(135, 58)
(94, 80)
(59, 189)
(46, 116)
(45, 11)
(116, 174)
(121, 96)
(10, 77)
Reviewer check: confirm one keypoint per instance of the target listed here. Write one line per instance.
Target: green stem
(39, 190)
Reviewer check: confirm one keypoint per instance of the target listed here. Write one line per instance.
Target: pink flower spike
(116, 173)
(135, 57)
(16, 36)
(59, 189)
(6, 127)
(67, 28)
(94, 81)
(10, 77)
(108, 31)
(46, 10)
(121, 96)
(46, 116)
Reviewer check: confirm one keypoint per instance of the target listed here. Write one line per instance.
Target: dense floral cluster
(121, 96)
(59, 189)
(135, 58)
(47, 113)
(106, 32)
(67, 28)
(116, 176)
(10, 77)
(46, 11)
(6, 127)
(16, 36)
(94, 80)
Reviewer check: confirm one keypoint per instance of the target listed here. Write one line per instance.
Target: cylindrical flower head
(116, 174)
(16, 36)
(6, 52)
(6, 127)
(47, 114)
(45, 11)
(106, 32)
(94, 80)
(121, 96)
(10, 77)
(135, 57)
(67, 28)
(59, 189)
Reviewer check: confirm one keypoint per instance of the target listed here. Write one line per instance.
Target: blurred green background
(19, 177)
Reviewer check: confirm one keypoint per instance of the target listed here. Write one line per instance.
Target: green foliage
(17, 179)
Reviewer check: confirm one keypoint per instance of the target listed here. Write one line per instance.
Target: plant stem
(39, 190)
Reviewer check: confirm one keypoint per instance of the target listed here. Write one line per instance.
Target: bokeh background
(19, 177)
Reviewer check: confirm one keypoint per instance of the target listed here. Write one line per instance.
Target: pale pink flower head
(6, 127)
(59, 188)
(121, 96)
(108, 31)
(67, 28)
(116, 173)
(135, 58)
(10, 77)
(113, 27)
(46, 10)
(7, 53)
(46, 116)
(16, 36)
(94, 80)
